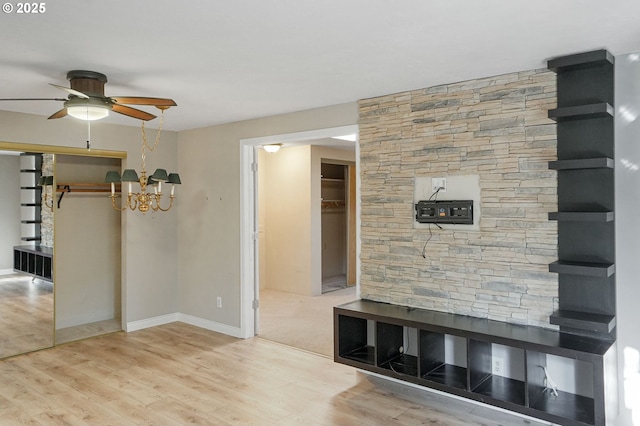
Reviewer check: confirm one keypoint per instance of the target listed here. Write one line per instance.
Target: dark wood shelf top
(584, 321)
(580, 112)
(583, 268)
(45, 251)
(582, 163)
(520, 336)
(581, 61)
(582, 216)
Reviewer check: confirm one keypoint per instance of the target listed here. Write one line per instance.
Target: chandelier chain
(145, 144)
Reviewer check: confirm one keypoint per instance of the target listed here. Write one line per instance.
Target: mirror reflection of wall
(26, 300)
(88, 251)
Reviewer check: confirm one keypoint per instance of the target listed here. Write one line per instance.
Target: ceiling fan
(87, 101)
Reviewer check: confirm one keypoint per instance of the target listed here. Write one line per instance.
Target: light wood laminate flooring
(179, 374)
(26, 314)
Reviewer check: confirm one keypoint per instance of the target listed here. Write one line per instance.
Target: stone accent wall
(496, 128)
(46, 227)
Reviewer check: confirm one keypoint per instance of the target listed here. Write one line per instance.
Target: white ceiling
(225, 61)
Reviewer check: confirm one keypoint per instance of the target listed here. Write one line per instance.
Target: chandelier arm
(171, 197)
(113, 203)
(132, 201)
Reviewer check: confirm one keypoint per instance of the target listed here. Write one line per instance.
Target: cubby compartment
(561, 386)
(395, 348)
(497, 371)
(443, 359)
(34, 260)
(354, 340)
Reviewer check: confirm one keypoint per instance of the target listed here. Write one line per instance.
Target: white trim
(7, 271)
(210, 325)
(185, 318)
(151, 322)
(247, 214)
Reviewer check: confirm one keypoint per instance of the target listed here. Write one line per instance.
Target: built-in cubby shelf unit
(585, 216)
(36, 261)
(457, 354)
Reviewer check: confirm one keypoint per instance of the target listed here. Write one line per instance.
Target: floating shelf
(31, 205)
(582, 216)
(34, 188)
(584, 163)
(583, 268)
(581, 61)
(580, 112)
(30, 239)
(31, 221)
(584, 321)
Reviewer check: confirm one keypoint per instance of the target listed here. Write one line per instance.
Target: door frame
(249, 260)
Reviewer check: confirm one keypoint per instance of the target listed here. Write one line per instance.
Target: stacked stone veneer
(496, 128)
(46, 227)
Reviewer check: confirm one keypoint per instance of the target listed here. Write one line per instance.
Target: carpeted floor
(302, 322)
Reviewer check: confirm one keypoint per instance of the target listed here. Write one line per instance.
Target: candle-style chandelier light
(143, 200)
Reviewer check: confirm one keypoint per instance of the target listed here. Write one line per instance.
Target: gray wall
(627, 175)
(209, 208)
(9, 208)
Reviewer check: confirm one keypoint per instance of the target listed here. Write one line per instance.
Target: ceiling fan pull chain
(89, 135)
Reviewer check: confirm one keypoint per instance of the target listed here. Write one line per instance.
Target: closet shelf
(326, 204)
(85, 187)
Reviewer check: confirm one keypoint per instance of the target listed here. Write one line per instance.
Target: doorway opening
(282, 233)
(337, 192)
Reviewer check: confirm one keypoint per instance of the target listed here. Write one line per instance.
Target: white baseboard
(7, 271)
(151, 322)
(187, 319)
(211, 325)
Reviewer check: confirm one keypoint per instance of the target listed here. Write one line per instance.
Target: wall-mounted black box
(445, 211)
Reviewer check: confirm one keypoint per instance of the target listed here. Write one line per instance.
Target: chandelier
(143, 200)
(46, 182)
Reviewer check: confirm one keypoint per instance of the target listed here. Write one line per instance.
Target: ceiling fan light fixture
(88, 112)
(89, 109)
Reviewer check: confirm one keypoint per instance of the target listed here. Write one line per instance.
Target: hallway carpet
(303, 322)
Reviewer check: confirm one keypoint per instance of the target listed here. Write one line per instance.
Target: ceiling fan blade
(59, 114)
(71, 91)
(132, 112)
(144, 101)
(34, 99)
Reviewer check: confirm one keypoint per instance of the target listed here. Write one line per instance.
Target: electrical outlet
(498, 366)
(219, 302)
(439, 183)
